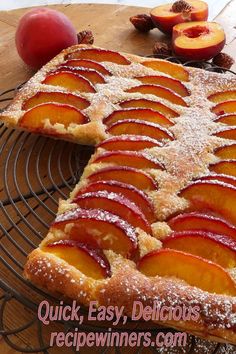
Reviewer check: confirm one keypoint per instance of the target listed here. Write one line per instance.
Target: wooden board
(112, 29)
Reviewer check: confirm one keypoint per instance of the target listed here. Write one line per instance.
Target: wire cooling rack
(36, 172)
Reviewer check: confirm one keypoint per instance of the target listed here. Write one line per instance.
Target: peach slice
(135, 195)
(172, 69)
(216, 248)
(159, 91)
(70, 81)
(89, 64)
(198, 40)
(229, 133)
(91, 262)
(172, 84)
(224, 107)
(138, 127)
(91, 75)
(35, 117)
(56, 97)
(130, 175)
(99, 55)
(129, 158)
(156, 106)
(144, 114)
(203, 222)
(116, 204)
(129, 143)
(222, 96)
(227, 167)
(165, 18)
(194, 270)
(100, 228)
(229, 119)
(212, 195)
(226, 151)
(219, 177)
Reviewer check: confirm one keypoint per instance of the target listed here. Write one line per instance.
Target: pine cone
(181, 6)
(142, 22)
(162, 48)
(85, 37)
(223, 60)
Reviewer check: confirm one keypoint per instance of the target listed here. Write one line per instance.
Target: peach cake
(153, 217)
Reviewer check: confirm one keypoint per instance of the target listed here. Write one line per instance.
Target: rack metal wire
(35, 172)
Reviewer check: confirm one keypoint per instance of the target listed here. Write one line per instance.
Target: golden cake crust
(186, 157)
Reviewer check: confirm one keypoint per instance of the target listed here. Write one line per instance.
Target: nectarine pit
(196, 31)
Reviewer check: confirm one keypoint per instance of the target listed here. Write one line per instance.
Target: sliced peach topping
(212, 195)
(229, 119)
(144, 103)
(202, 222)
(227, 167)
(98, 228)
(34, 119)
(229, 133)
(138, 127)
(70, 81)
(90, 261)
(222, 96)
(219, 177)
(135, 195)
(159, 91)
(129, 143)
(226, 151)
(56, 97)
(174, 70)
(217, 248)
(116, 204)
(89, 64)
(99, 55)
(129, 158)
(173, 84)
(194, 270)
(225, 107)
(91, 75)
(130, 175)
(144, 114)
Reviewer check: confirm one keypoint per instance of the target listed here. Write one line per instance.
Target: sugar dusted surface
(186, 157)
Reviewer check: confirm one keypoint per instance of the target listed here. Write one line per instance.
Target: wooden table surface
(111, 28)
